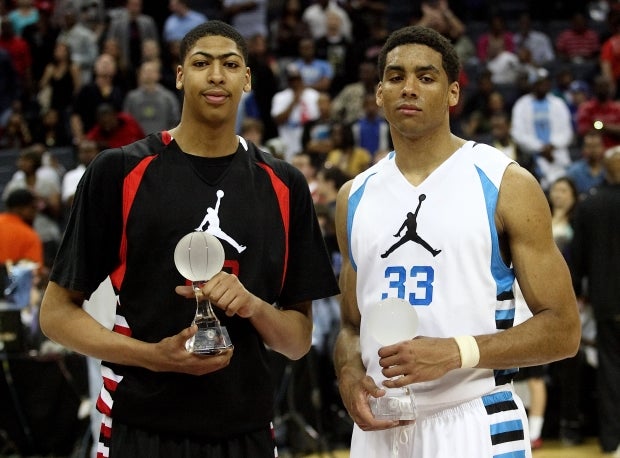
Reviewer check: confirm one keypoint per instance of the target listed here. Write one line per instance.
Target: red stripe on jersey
(122, 330)
(283, 196)
(103, 407)
(166, 137)
(130, 187)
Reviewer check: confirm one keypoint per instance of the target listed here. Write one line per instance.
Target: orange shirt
(18, 240)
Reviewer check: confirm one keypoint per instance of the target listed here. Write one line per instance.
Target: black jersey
(131, 208)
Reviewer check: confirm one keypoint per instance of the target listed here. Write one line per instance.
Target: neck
(202, 140)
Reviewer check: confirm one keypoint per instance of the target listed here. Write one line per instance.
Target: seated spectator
(102, 89)
(538, 43)
(578, 42)
(315, 15)
(609, 57)
(316, 139)
(18, 240)
(315, 73)
(152, 105)
(289, 29)
(291, 109)
(50, 130)
(497, 40)
(588, 172)
(21, 58)
(345, 155)
(371, 131)
(181, 20)
(478, 123)
(87, 150)
(114, 129)
(601, 112)
(542, 127)
(24, 14)
(348, 105)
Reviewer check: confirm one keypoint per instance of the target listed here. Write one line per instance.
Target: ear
(454, 92)
(179, 77)
(247, 87)
(379, 95)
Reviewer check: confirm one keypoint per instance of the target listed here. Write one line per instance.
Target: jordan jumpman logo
(411, 235)
(213, 221)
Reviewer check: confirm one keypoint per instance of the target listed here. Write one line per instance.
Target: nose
(216, 74)
(410, 88)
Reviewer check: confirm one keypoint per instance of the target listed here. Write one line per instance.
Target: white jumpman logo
(213, 221)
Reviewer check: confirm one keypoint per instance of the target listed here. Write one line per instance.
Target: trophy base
(209, 341)
(393, 407)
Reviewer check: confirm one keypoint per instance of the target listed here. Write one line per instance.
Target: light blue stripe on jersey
(503, 275)
(354, 201)
(506, 426)
(504, 314)
(515, 454)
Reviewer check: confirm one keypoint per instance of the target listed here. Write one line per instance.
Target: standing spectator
(102, 90)
(595, 258)
(537, 42)
(315, 73)
(180, 21)
(578, 42)
(41, 38)
(130, 28)
(542, 127)
(62, 78)
(24, 14)
(588, 172)
(601, 111)
(114, 129)
(336, 49)
(348, 105)
(152, 105)
(82, 42)
(292, 108)
(18, 240)
(249, 17)
(315, 15)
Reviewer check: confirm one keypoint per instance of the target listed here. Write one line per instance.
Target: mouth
(215, 97)
(408, 109)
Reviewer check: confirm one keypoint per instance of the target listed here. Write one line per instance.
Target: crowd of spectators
(539, 80)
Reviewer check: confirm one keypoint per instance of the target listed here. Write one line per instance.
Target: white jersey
(435, 245)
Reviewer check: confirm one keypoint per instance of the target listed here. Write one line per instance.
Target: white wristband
(468, 348)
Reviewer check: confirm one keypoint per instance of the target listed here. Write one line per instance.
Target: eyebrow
(419, 68)
(219, 57)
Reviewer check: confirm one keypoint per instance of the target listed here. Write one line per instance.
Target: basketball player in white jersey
(447, 225)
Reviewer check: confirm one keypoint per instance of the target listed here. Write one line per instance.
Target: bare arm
(354, 385)
(64, 321)
(554, 331)
(287, 331)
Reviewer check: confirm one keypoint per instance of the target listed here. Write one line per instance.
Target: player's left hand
(418, 360)
(226, 292)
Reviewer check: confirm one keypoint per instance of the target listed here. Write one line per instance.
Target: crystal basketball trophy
(390, 321)
(198, 256)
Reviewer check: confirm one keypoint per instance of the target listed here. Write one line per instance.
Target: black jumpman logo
(411, 234)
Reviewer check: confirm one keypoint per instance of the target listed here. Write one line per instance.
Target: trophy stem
(211, 338)
(205, 317)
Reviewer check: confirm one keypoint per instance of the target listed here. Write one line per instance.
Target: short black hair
(212, 28)
(19, 198)
(423, 36)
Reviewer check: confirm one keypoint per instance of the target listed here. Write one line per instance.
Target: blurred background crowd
(540, 81)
